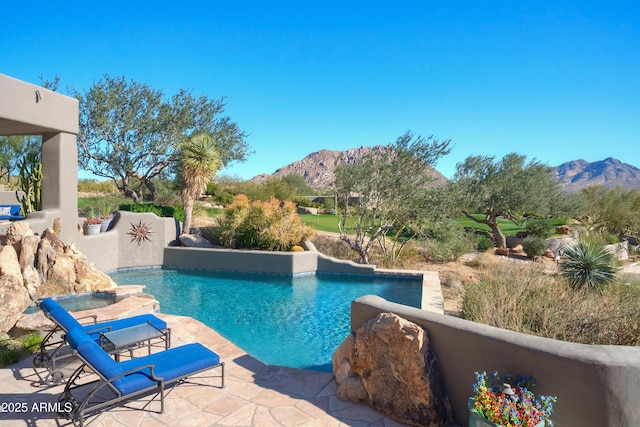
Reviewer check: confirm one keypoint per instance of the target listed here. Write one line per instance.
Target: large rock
(9, 264)
(13, 300)
(393, 360)
(61, 276)
(50, 235)
(194, 241)
(29, 249)
(88, 277)
(45, 258)
(32, 281)
(16, 232)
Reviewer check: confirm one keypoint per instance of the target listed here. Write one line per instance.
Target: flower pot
(104, 224)
(475, 420)
(92, 229)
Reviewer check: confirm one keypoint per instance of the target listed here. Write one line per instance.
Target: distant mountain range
(610, 172)
(318, 170)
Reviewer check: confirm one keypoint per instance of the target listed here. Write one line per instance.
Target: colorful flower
(508, 402)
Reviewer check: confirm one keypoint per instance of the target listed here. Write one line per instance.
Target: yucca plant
(588, 264)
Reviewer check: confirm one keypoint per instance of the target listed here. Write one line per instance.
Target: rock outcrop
(389, 364)
(33, 267)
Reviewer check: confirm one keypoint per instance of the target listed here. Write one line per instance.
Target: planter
(475, 420)
(91, 229)
(104, 224)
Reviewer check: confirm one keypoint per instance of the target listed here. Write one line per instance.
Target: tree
(386, 194)
(14, 149)
(509, 188)
(612, 210)
(130, 131)
(199, 161)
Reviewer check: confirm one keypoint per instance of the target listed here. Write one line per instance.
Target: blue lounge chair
(122, 381)
(50, 350)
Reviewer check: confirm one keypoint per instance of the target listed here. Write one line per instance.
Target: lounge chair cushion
(172, 364)
(95, 356)
(68, 322)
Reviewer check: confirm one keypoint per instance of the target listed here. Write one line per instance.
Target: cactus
(30, 181)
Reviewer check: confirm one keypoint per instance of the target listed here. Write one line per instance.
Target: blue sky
(554, 80)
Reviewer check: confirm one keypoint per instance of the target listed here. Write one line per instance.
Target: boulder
(52, 237)
(562, 229)
(548, 253)
(34, 322)
(307, 210)
(29, 248)
(13, 300)
(45, 257)
(88, 277)
(393, 361)
(9, 264)
(502, 251)
(15, 233)
(193, 241)
(62, 274)
(351, 388)
(32, 281)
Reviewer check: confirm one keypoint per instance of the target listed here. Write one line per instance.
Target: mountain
(318, 169)
(610, 172)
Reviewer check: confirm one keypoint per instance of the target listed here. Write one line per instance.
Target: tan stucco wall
(22, 112)
(28, 109)
(596, 385)
(115, 249)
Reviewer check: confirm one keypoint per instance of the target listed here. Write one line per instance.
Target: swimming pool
(280, 320)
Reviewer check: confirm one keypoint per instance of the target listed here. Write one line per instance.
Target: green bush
(447, 241)
(534, 246)
(587, 264)
(540, 228)
(268, 225)
(484, 242)
(176, 212)
(12, 351)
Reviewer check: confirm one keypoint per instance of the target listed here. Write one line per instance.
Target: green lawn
(322, 222)
(507, 227)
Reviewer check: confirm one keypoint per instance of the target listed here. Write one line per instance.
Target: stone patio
(254, 395)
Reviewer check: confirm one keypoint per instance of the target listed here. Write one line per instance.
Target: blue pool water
(288, 321)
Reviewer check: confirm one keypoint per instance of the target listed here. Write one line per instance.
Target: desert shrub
(334, 247)
(268, 225)
(540, 228)
(12, 351)
(523, 298)
(534, 246)
(484, 242)
(303, 201)
(447, 241)
(587, 264)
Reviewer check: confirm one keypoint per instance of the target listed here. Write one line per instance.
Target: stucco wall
(115, 249)
(260, 261)
(596, 385)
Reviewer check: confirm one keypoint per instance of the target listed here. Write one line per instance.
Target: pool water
(280, 320)
(80, 302)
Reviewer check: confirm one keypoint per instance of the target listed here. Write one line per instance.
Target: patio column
(60, 181)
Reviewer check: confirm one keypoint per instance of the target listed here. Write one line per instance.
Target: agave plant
(588, 264)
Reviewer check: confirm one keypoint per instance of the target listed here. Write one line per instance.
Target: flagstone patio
(254, 394)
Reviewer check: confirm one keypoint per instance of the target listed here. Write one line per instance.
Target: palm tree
(198, 162)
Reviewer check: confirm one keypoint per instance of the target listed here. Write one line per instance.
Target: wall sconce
(38, 96)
